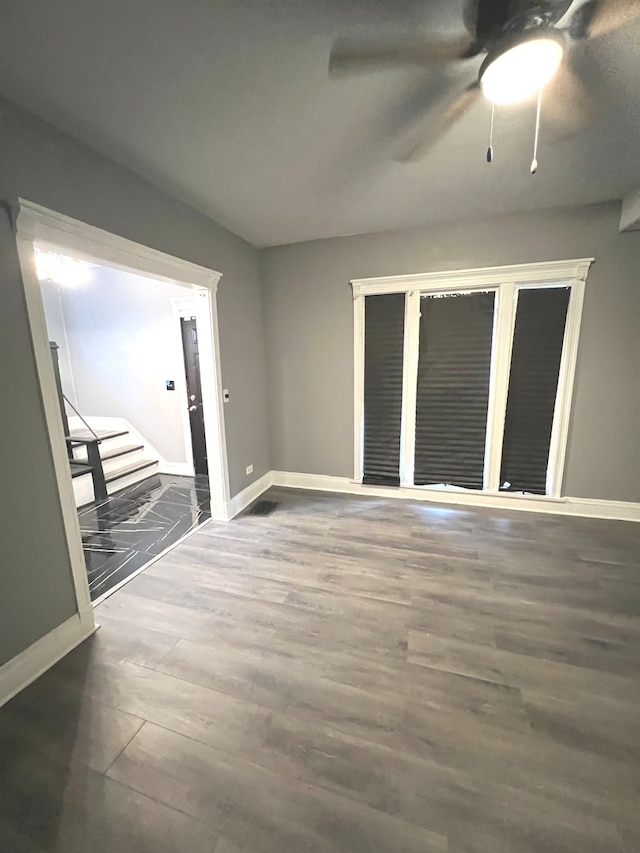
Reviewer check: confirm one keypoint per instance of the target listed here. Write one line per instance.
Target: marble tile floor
(130, 528)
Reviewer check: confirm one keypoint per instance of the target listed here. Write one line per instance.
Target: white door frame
(62, 233)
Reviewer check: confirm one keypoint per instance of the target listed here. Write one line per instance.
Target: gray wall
(310, 335)
(36, 589)
(49, 168)
(123, 343)
(44, 166)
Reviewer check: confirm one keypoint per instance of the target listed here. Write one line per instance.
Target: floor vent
(262, 508)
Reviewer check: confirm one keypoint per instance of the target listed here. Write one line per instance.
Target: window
(533, 383)
(463, 380)
(452, 397)
(383, 352)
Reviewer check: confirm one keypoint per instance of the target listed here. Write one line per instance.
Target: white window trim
(482, 277)
(506, 281)
(358, 385)
(503, 325)
(409, 387)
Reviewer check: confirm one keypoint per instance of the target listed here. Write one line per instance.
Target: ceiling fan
(523, 49)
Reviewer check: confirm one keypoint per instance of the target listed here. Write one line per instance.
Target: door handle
(192, 408)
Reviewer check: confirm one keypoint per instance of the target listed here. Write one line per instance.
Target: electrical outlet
(249, 469)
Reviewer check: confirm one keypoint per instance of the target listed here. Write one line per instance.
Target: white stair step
(123, 471)
(124, 452)
(118, 478)
(108, 445)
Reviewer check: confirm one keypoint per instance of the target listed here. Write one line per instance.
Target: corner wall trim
(21, 670)
(247, 496)
(585, 507)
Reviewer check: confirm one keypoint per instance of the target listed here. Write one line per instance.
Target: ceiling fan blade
(567, 107)
(599, 17)
(436, 126)
(349, 55)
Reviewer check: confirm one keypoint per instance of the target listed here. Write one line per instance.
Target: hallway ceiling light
(61, 269)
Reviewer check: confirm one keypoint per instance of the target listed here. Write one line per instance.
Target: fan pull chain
(490, 148)
(534, 162)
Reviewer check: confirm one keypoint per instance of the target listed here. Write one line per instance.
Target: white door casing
(63, 234)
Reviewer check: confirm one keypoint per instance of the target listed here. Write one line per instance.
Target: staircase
(123, 462)
(102, 461)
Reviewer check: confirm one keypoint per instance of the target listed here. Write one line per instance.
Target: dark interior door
(194, 392)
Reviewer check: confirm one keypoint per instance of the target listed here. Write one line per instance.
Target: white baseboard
(591, 508)
(179, 469)
(247, 496)
(21, 670)
(586, 507)
(83, 490)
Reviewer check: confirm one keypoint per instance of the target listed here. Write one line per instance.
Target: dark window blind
(383, 357)
(533, 383)
(454, 367)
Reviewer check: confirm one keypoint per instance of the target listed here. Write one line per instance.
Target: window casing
(505, 284)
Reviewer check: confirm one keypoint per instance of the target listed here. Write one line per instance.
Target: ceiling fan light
(519, 72)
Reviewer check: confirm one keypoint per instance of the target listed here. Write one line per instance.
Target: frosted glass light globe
(521, 71)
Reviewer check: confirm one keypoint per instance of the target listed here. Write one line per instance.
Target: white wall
(124, 343)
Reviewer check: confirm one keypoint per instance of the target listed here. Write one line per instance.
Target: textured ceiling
(228, 106)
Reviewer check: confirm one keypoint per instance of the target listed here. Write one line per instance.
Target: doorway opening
(131, 390)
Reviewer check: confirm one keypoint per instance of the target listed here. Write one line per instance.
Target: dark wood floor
(362, 676)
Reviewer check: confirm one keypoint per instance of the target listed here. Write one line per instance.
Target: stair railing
(93, 433)
(94, 459)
